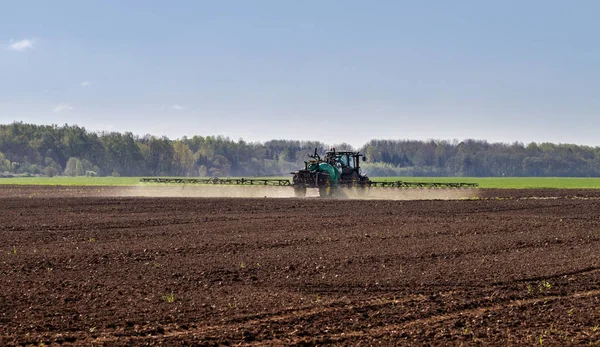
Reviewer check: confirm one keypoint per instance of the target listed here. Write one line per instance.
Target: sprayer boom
(337, 169)
(219, 181)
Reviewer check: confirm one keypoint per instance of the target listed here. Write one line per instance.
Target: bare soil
(87, 267)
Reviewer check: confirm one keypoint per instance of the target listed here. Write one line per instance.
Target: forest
(71, 150)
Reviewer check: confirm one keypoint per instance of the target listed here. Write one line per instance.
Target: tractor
(337, 169)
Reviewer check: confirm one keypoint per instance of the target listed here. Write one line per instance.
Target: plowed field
(84, 266)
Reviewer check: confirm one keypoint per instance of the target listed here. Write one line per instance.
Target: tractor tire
(363, 190)
(325, 191)
(323, 184)
(300, 192)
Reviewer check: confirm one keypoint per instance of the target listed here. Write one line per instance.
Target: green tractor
(334, 171)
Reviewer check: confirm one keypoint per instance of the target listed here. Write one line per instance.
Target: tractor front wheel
(324, 191)
(300, 192)
(363, 190)
(323, 184)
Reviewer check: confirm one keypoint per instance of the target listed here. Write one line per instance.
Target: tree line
(70, 150)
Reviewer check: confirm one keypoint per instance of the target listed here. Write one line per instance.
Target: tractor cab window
(344, 160)
(350, 161)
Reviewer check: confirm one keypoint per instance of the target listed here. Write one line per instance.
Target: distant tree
(183, 159)
(220, 167)
(71, 169)
(202, 171)
(50, 171)
(79, 171)
(4, 163)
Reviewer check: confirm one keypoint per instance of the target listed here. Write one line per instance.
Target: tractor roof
(344, 152)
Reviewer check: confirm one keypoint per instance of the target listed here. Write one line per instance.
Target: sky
(334, 71)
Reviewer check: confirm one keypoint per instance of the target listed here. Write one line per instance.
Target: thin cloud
(85, 84)
(21, 45)
(62, 107)
(177, 107)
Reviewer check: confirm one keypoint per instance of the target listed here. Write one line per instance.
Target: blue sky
(335, 71)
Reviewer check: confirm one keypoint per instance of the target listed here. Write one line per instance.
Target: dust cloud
(409, 194)
(209, 191)
(221, 191)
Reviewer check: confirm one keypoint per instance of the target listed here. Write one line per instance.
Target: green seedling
(544, 286)
(169, 297)
(242, 265)
(14, 250)
(92, 240)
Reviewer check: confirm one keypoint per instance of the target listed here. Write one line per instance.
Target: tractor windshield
(350, 161)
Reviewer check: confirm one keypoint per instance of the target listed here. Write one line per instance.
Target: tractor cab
(348, 163)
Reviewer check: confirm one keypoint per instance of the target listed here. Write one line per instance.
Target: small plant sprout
(570, 312)
(595, 328)
(541, 340)
(529, 288)
(92, 239)
(323, 276)
(242, 265)
(544, 286)
(317, 299)
(14, 250)
(92, 329)
(169, 297)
